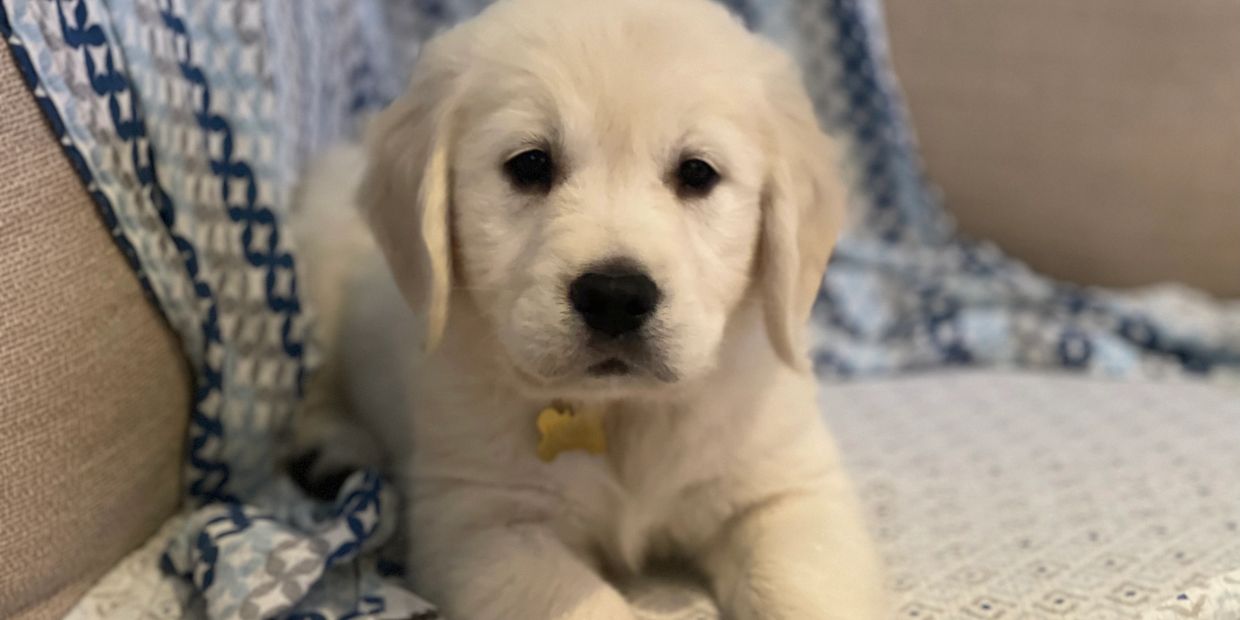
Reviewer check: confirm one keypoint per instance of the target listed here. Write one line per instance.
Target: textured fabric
(137, 589)
(1014, 496)
(189, 120)
(1019, 496)
(1090, 138)
(1217, 598)
(93, 389)
(171, 114)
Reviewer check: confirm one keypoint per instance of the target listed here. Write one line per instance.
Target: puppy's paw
(317, 479)
(325, 450)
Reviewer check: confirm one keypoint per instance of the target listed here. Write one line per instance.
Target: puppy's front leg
(798, 557)
(517, 572)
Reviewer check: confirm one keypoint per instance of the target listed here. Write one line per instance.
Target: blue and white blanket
(188, 121)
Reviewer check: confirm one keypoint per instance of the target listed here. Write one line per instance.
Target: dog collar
(563, 429)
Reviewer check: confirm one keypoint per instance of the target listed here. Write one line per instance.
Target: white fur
(717, 453)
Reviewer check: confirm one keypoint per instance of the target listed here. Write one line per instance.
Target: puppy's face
(607, 165)
(606, 232)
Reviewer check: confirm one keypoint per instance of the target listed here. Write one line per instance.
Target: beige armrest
(94, 392)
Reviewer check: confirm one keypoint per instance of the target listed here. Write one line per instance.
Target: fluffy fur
(451, 332)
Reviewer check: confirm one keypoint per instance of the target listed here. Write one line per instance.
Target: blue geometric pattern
(188, 122)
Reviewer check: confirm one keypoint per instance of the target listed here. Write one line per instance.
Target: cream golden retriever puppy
(615, 213)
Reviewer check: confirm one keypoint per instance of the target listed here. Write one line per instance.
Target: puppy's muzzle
(614, 300)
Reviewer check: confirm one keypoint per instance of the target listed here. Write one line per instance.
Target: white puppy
(620, 209)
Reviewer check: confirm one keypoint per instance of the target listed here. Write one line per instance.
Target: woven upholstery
(93, 390)
(1097, 140)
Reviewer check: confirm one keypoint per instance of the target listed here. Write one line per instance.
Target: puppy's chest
(655, 491)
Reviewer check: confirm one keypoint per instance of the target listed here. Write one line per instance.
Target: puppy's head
(606, 182)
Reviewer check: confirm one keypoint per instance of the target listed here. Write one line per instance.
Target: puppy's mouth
(608, 374)
(638, 367)
(611, 367)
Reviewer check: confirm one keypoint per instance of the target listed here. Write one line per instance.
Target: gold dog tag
(561, 429)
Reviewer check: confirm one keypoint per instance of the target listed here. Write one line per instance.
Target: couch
(94, 390)
(1076, 495)
(1095, 140)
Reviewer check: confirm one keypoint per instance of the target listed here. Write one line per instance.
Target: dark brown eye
(531, 170)
(696, 177)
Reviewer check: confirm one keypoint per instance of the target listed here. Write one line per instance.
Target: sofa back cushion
(1099, 140)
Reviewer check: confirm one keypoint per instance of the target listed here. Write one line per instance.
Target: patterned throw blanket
(188, 121)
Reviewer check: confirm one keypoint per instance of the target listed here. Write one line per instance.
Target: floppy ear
(406, 193)
(802, 211)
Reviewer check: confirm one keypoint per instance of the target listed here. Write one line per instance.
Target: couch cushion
(999, 494)
(1096, 140)
(991, 494)
(94, 392)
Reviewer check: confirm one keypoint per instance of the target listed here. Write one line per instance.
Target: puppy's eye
(696, 177)
(531, 170)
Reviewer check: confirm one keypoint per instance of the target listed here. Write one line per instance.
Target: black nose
(614, 301)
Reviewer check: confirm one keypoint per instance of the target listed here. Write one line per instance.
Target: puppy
(610, 216)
